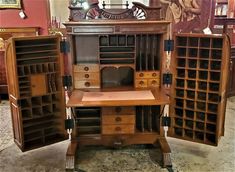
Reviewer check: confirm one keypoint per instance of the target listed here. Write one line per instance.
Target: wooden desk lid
(117, 98)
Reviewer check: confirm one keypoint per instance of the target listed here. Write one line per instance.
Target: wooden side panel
(17, 125)
(224, 83)
(12, 80)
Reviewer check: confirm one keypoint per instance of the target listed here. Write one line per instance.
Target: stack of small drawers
(147, 79)
(86, 76)
(118, 120)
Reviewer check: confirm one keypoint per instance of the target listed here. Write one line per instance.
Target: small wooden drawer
(86, 75)
(119, 110)
(86, 68)
(140, 83)
(146, 75)
(118, 119)
(153, 83)
(86, 84)
(118, 129)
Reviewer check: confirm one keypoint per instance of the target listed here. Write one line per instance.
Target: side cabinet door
(201, 64)
(34, 68)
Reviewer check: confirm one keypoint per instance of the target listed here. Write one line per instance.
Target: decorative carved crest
(138, 11)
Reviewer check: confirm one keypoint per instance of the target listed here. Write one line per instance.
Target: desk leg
(71, 155)
(166, 152)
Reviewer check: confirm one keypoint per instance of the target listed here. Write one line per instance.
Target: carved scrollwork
(138, 11)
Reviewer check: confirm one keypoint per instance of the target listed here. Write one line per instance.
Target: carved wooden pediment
(138, 11)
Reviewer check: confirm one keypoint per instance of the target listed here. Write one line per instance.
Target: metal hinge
(167, 78)
(166, 121)
(64, 46)
(168, 45)
(69, 124)
(67, 81)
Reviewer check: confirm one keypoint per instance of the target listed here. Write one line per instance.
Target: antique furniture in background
(5, 34)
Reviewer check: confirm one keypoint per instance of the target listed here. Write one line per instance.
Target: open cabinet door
(201, 64)
(36, 95)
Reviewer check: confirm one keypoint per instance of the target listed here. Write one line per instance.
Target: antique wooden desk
(124, 73)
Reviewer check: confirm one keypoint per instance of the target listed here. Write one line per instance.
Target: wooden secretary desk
(124, 75)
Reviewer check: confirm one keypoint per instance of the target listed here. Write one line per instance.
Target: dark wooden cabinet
(126, 77)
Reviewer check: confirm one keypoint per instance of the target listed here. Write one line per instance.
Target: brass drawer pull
(154, 75)
(87, 84)
(141, 74)
(141, 82)
(86, 68)
(87, 75)
(118, 119)
(154, 82)
(118, 129)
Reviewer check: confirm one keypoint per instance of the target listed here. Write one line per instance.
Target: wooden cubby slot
(148, 118)
(88, 120)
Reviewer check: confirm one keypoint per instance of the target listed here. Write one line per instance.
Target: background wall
(37, 11)
(59, 8)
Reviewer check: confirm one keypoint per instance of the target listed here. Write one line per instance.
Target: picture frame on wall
(10, 4)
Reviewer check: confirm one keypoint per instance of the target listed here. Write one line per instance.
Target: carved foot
(71, 156)
(166, 152)
(166, 158)
(70, 163)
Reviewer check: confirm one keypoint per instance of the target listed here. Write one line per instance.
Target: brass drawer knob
(141, 74)
(87, 84)
(118, 128)
(154, 82)
(86, 68)
(154, 75)
(141, 82)
(87, 75)
(118, 119)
